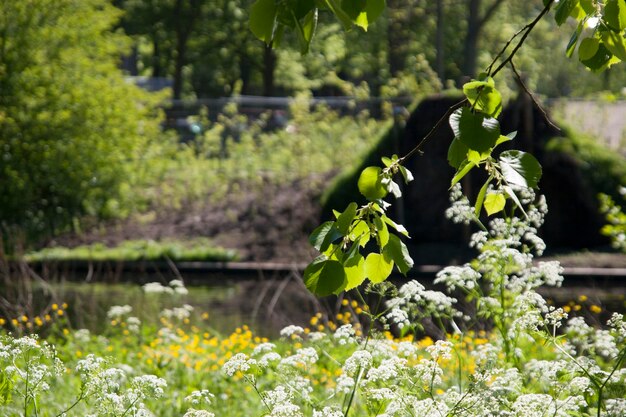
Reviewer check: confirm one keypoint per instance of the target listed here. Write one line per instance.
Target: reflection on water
(265, 306)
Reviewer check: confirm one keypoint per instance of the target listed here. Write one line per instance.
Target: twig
(432, 131)
(526, 29)
(532, 97)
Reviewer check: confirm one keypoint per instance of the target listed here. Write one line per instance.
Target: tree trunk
(157, 71)
(181, 50)
(439, 44)
(185, 19)
(471, 38)
(396, 39)
(269, 64)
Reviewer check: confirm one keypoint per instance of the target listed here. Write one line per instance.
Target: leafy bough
(342, 265)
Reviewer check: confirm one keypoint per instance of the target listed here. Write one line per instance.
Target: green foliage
(605, 45)
(615, 228)
(196, 249)
(237, 155)
(74, 136)
(604, 170)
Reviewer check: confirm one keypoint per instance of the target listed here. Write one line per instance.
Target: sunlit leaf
(600, 61)
(382, 231)
(355, 273)
(494, 203)
(588, 48)
(378, 267)
(463, 170)
(399, 254)
(406, 174)
(520, 168)
(615, 14)
(481, 197)
(474, 130)
(345, 219)
(399, 228)
(484, 97)
(325, 277)
(615, 43)
(370, 183)
(324, 235)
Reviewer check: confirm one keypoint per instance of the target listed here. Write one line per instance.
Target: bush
(74, 134)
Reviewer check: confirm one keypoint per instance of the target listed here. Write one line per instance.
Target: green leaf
(399, 228)
(324, 235)
(301, 8)
(474, 130)
(351, 257)
(335, 7)
(571, 46)
(397, 251)
(615, 43)
(306, 30)
(316, 238)
(615, 14)
(563, 9)
(345, 219)
(520, 168)
(484, 97)
(463, 170)
(600, 61)
(494, 203)
(509, 191)
(457, 153)
(382, 231)
(588, 48)
(588, 6)
(370, 183)
(363, 12)
(355, 274)
(481, 197)
(378, 267)
(325, 277)
(406, 174)
(263, 19)
(504, 138)
(362, 230)
(477, 157)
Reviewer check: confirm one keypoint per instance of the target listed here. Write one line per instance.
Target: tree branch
(532, 97)
(490, 11)
(526, 29)
(433, 130)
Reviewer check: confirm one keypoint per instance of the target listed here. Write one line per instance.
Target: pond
(265, 306)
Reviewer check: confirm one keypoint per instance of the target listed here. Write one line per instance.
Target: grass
(195, 249)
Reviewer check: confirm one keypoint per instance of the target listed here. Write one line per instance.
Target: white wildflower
(238, 363)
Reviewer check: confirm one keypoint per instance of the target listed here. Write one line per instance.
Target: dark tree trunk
(157, 70)
(244, 74)
(181, 50)
(439, 44)
(396, 39)
(471, 38)
(269, 64)
(185, 19)
(475, 24)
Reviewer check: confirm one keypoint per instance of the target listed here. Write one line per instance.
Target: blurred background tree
(73, 133)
